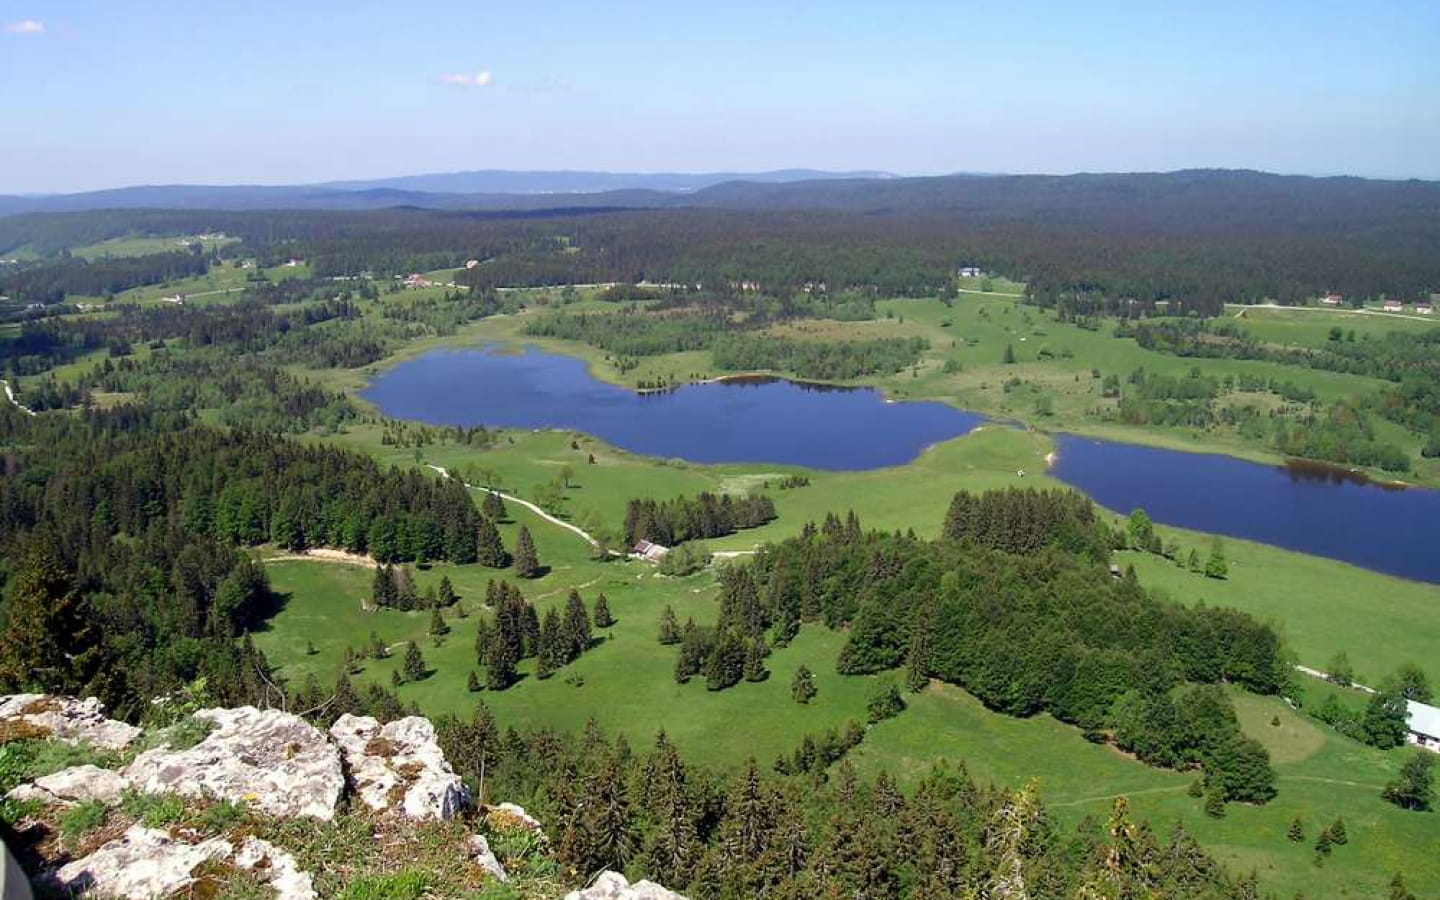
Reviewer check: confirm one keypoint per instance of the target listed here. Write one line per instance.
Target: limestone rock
(280, 870)
(614, 886)
(274, 760)
(400, 764)
(69, 719)
(145, 863)
(485, 857)
(76, 784)
(512, 816)
(141, 864)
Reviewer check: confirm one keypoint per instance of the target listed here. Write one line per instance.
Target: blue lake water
(750, 420)
(1314, 510)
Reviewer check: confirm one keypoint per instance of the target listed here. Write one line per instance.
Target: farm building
(417, 280)
(970, 272)
(649, 552)
(1394, 306)
(1424, 308)
(1332, 299)
(1422, 725)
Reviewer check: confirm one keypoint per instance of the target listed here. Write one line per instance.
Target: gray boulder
(68, 719)
(77, 784)
(273, 760)
(400, 765)
(614, 886)
(485, 857)
(145, 863)
(141, 864)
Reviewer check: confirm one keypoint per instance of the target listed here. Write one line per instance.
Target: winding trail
(584, 535)
(10, 395)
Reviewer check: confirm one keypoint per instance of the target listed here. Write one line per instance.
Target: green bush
(410, 884)
(82, 819)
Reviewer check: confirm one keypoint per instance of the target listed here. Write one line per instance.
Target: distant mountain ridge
(494, 188)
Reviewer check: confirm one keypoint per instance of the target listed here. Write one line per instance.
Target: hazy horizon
(109, 96)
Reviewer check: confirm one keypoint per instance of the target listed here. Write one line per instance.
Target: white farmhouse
(1422, 725)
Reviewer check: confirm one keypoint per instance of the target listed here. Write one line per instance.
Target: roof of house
(1422, 718)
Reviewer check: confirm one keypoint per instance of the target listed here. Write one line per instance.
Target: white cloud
(25, 26)
(466, 79)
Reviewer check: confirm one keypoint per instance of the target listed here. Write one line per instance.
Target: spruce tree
(376, 648)
(489, 551)
(1297, 830)
(802, 686)
(603, 618)
(447, 594)
(414, 664)
(1323, 844)
(493, 506)
(1215, 804)
(1398, 890)
(382, 587)
(755, 660)
(726, 664)
(576, 628)
(527, 563)
(1338, 837)
(472, 682)
(499, 664)
(437, 623)
(1009, 357)
(669, 628)
(483, 635)
(554, 648)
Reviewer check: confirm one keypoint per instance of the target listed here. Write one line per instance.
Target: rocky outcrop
(513, 817)
(145, 863)
(277, 868)
(77, 784)
(141, 864)
(400, 766)
(275, 761)
(614, 886)
(68, 719)
(485, 857)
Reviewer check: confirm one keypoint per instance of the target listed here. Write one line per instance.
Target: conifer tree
(553, 645)
(669, 629)
(673, 847)
(755, 660)
(1398, 890)
(345, 699)
(472, 682)
(726, 664)
(484, 633)
(414, 664)
(1338, 837)
(382, 590)
(603, 618)
(489, 551)
(1414, 788)
(499, 664)
(1215, 803)
(802, 686)
(527, 563)
(447, 595)
(437, 623)
(1324, 843)
(493, 506)
(576, 627)
(1297, 830)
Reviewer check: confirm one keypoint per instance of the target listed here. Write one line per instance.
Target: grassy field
(142, 245)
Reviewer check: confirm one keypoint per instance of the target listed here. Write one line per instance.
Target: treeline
(826, 360)
(246, 489)
(714, 835)
(1040, 625)
(52, 282)
(517, 632)
(672, 522)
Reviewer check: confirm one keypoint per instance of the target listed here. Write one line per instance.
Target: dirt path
(10, 395)
(325, 554)
(1241, 307)
(1324, 676)
(584, 535)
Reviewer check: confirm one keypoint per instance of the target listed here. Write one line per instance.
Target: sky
(100, 93)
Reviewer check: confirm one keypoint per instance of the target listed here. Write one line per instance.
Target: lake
(1314, 509)
(749, 420)
(1311, 509)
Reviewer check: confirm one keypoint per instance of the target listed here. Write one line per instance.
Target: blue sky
(104, 93)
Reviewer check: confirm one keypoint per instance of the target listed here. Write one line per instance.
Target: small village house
(970, 272)
(1424, 308)
(416, 280)
(1394, 306)
(1422, 725)
(648, 551)
(1332, 299)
